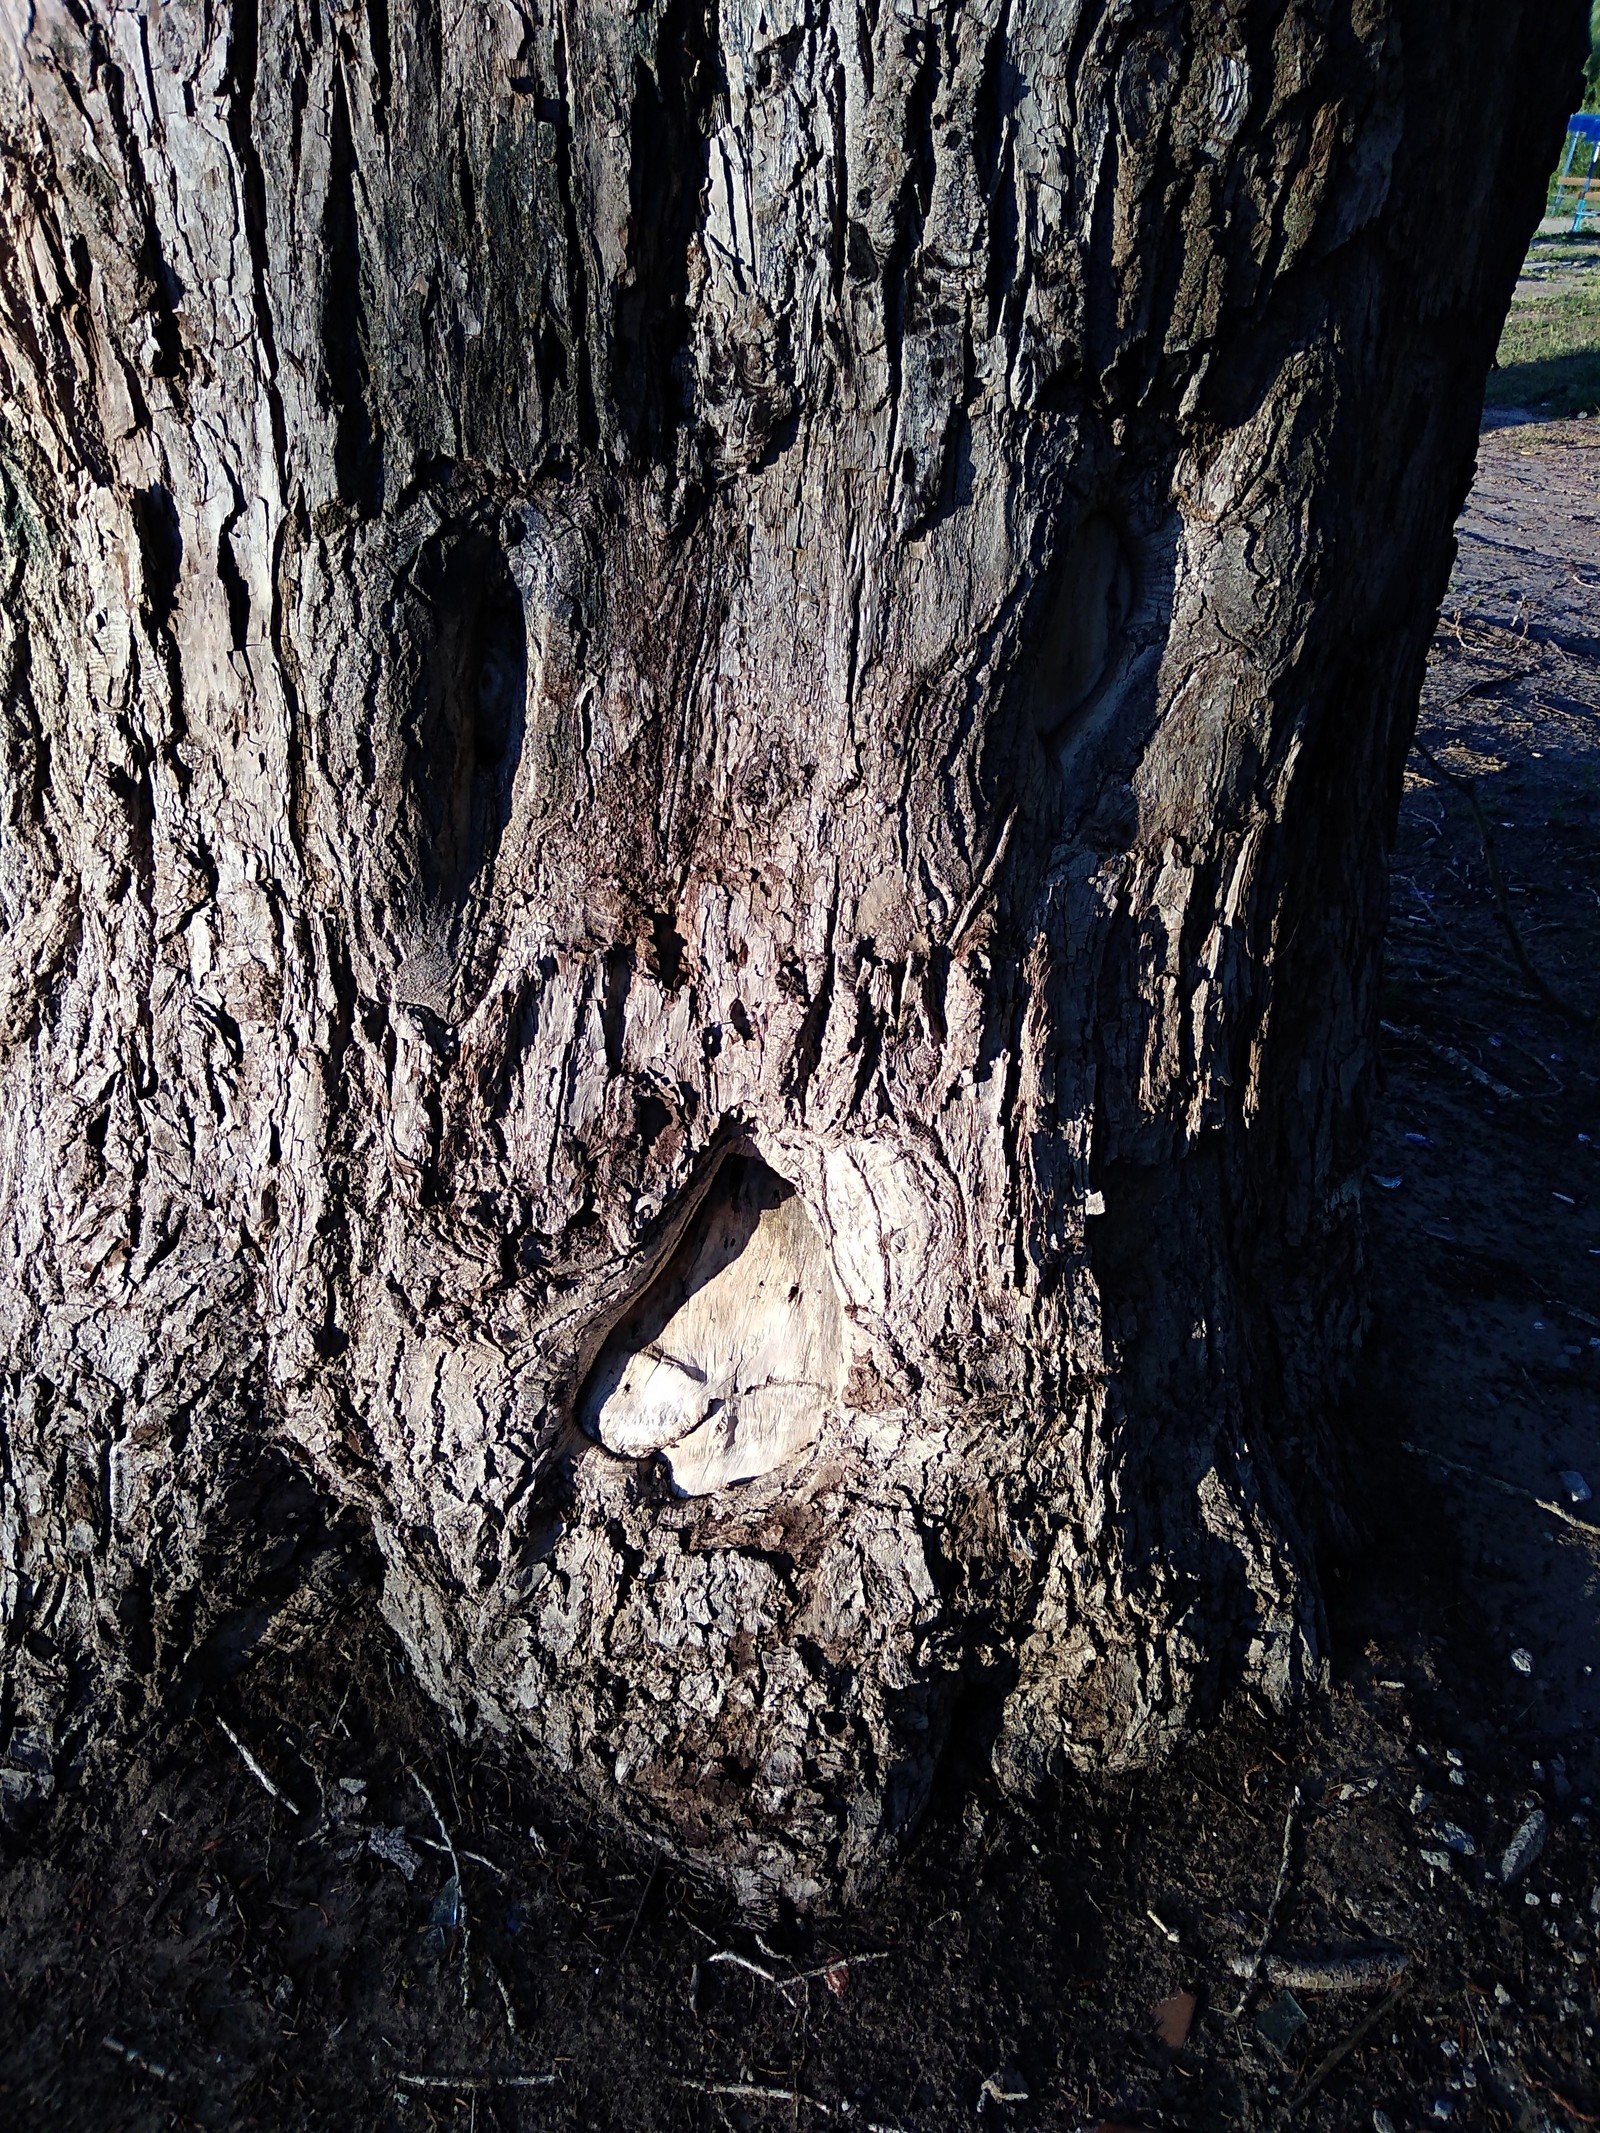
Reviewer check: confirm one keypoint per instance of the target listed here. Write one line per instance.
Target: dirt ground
(181, 1948)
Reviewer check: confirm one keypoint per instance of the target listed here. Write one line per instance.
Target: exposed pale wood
(734, 1357)
(590, 592)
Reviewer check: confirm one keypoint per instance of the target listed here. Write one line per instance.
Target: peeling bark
(659, 657)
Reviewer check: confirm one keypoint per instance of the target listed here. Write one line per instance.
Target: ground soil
(179, 1947)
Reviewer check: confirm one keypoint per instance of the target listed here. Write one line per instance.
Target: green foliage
(1591, 72)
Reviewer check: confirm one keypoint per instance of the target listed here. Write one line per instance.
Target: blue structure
(1583, 134)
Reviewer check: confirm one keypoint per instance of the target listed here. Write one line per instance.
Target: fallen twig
(736, 1961)
(136, 2058)
(455, 1868)
(1449, 1056)
(475, 2084)
(1346, 2045)
(1476, 688)
(1359, 1971)
(1584, 2118)
(509, 2011)
(754, 2092)
(1502, 903)
(836, 1963)
(649, 1884)
(477, 1858)
(830, 1969)
(1506, 1488)
(992, 2092)
(1253, 1975)
(256, 1770)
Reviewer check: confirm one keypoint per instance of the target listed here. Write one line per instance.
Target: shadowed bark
(700, 711)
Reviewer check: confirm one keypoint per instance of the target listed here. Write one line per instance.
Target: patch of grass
(1549, 355)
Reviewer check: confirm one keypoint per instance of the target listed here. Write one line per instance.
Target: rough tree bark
(701, 704)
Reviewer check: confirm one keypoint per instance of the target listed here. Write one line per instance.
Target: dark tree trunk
(701, 709)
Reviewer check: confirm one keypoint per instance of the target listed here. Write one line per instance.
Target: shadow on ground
(1548, 366)
(1560, 385)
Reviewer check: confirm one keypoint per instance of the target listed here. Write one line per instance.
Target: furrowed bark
(701, 708)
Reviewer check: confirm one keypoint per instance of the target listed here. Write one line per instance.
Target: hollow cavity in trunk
(729, 1361)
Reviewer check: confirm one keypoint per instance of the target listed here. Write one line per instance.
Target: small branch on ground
(734, 1960)
(1254, 1976)
(506, 2006)
(731, 1958)
(477, 1858)
(1356, 1972)
(994, 2091)
(475, 2084)
(1506, 1488)
(1342, 2050)
(1447, 1055)
(256, 1770)
(1584, 2118)
(133, 2057)
(644, 1894)
(455, 1868)
(754, 2092)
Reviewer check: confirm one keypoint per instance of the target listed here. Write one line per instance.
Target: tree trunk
(701, 711)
